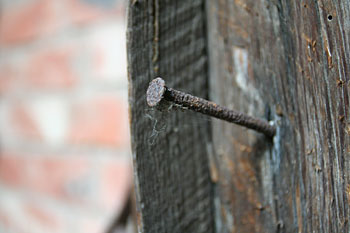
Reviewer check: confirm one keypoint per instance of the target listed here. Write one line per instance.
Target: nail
(157, 92)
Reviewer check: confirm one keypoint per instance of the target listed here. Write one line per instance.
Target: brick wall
(64, 140)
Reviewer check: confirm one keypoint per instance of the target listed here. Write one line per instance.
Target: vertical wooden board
(168, 39)
(288, 61)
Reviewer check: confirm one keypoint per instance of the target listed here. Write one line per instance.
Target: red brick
(42, 216)
(100, 121)
(5, 219)
(51, 69)
(8, 78)
(12, 170)
(28, 21)
(84, 12)
(11, 223)
(47, 175)
(116, 182)
(23, 123)
(52, 176)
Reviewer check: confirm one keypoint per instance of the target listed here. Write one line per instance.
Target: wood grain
(173, 187)
(288, 61)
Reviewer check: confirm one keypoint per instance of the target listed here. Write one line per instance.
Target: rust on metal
(157, 91)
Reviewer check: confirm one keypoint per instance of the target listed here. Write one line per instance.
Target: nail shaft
(157, 91)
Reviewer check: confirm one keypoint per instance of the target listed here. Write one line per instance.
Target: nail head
(155, 92)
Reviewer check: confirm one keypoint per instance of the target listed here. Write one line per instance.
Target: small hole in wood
(330, 17)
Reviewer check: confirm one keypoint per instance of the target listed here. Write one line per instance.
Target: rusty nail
(157, 92)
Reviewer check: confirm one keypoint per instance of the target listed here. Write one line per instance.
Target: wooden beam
(173, 187)
(287, 61)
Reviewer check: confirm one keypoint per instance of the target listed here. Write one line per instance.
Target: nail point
(155, 92)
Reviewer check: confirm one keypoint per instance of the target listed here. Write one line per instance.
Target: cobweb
(159, 121)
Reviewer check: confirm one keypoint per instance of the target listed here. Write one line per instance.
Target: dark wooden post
(168, 39)
(286, 61)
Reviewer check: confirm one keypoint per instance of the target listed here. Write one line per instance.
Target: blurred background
(64, 137)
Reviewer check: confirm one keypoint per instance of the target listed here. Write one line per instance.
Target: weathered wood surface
(293, 58)
(168, 39)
